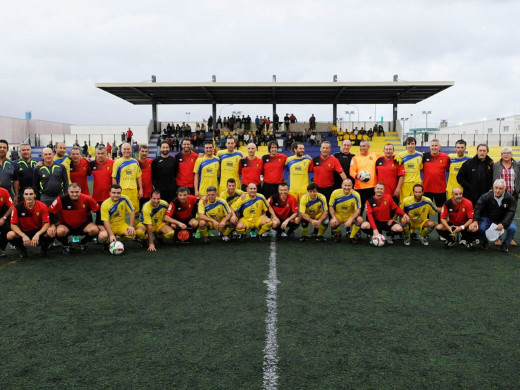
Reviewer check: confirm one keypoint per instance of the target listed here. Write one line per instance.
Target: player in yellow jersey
(456, 161)
(345, 208)
(62, 157)
(313, 210)
(231, 194)
(299, 167)
(114, 211)
(214, 214)
(412, 162)
(206, 170)
(419, 208)
(250, 213)
(229, 164)
(152, 221)
(126, 172)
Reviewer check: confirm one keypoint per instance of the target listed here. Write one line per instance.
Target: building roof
(401, 92)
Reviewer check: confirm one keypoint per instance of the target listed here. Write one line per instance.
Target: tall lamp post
(349, 113)
(426, 127)
(499, 129)
(404, 123)
(188, 113)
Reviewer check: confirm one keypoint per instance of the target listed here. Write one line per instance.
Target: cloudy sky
(53, 52)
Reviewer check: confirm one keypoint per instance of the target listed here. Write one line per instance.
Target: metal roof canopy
(396, 92)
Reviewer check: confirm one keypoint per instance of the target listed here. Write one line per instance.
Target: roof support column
(394, 117)
(335, 114)
(214, 114)
(154, 117)
(275, 125)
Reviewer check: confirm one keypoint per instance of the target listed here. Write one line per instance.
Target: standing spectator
(135, 149)
(109, 149)
(145, 164)
(24, 172)
(276, 121)
(435, 165)
(85, 149)
(293, 119)
(7, 172)
(344, 157)
(476, 175)
(325, 166)
(114, 150)
(286, 121)
(210, 123)
(14, 155)
(129, 135)
(312, 122)
(364, 161)
(50, 179)
(390, 172)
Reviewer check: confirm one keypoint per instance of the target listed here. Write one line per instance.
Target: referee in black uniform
(23, 172)
(50, 180)
(344, 157)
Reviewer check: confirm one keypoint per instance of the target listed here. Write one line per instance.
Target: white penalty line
(270, 366)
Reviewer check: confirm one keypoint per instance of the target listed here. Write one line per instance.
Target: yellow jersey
(299, 168)
(208, 170)
(251, 209)
(344, 205)
(313, 207)
(154, 215)
(418, 211)
(126, 172)
(229, 166)
(412, 166)
(455, 164)
(65, 161)
(115, 212)
(231, 199)
(216, 210)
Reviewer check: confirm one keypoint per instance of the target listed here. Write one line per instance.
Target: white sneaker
(225, 238)
(407, 241)
(424, 241)
(283, 234)
(462, 242)
(389, 240)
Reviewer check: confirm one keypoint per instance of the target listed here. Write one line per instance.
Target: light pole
(220, 111)
(356, 109)
(349, 113)
(188, 113)
(237, 112)
(500, 128)
(426, 113)
(404, 122)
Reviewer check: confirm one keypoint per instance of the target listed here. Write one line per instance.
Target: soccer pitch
(196, 317)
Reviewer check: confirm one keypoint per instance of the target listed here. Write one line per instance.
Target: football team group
(186, 196)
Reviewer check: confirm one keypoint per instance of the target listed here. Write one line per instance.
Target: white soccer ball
(364, 176)
(378, 240)
(116, 248)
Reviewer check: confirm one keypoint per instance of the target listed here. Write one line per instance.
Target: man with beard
(299, 167)
(163, 173)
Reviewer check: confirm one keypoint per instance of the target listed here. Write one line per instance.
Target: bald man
(251, 167)
(50, 180)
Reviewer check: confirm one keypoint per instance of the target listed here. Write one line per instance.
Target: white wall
(509, 125)
(99, 133)
(16, 130)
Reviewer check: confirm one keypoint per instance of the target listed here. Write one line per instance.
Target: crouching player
(75, 218)
(214, 214)
(345, 208)
(152, 222)
(418, 208)
(285, 207)
(29, 224)
(314, 211)
(182, 211)
(382, 213)
(456, 216)
(114, 211)
(250, 213)
(231, 194)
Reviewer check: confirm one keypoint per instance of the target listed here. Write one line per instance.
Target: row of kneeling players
(233, 213)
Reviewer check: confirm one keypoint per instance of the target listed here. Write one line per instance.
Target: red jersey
(129, 133)
(183, 212)
(146, 176)
(102, 173)
(324, 170)
(29, 220)
(457, 214)
(388, 172)
(381, 209)
(284, 210)
(5, 201)
(273, 168)
(434, 172)
(73, 214)
(109, 148)
(79, 174)
(185, 165)
(251, 170)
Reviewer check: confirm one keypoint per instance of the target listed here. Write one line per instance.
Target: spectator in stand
(210, 123)
(390, 172)
(114, 150)
(276, 121)
(129, 135)
(273, 167)
(145, 164)
(312, 122)
(109, 149)
(219, 122)
(344, 157)
(286, 122)
(14, 155)
(435, 166)
(476, 175)
(251, 168)
(293, 119)
(325, 166)
(364, 161)
(135, 150)
(79, 170)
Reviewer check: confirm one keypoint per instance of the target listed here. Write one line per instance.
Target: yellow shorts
(252, 224)
(343, 218)
(120, 231)
(297, 195)
(156, 229)
(133, 195)
(417, 225)
(406, 191)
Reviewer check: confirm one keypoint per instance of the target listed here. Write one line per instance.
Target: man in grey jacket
(495, 207)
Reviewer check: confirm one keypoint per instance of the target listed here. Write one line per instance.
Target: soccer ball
(379, 240)
(364, 176)
(116, 248)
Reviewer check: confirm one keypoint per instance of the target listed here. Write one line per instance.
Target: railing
(471, 139)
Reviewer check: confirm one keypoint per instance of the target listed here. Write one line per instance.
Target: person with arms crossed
(214, 214)
(390, 172)
(114, 211)
(412, 162)
(206, 170)
(229, 163)
(456, 160)
(251, 168)
(273, 164)
(419, 207)
(6, 209)
(345, 208)
(285, 207)
(152, 222)
(313, 210)
(29, 224)
(299, 166)
(74, 211)
(127, 174)
(325, 167)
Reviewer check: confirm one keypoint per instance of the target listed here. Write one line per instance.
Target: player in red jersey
(184, 164)
(182, 211)
(6, 209)
(285, 207)
(274, 164)
(75, 211)
(382, 213)
(325, 166)
(29, 224)
(390, 172)
(435, 166)
(146, 174)
(251, 167)
(101, 169)
(456, 216)
(79, 170)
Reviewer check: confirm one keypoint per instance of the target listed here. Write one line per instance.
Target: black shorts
(326, 191)
(381, 226)
(78, 231)
(269, 189)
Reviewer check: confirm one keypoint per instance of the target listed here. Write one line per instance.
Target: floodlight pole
(214, 107)
(335, 105)
(154, 110)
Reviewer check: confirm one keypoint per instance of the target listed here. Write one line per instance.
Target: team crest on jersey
(463, 209)
(440, 161)
(191, 160)
(37, 213)
(384, 202)
(84, 168)
(328, 165)
(83, 205)
(1, 199)
(257, 164)
(371, 158)
(108, 168)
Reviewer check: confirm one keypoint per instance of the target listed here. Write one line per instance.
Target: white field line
(271, 343)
